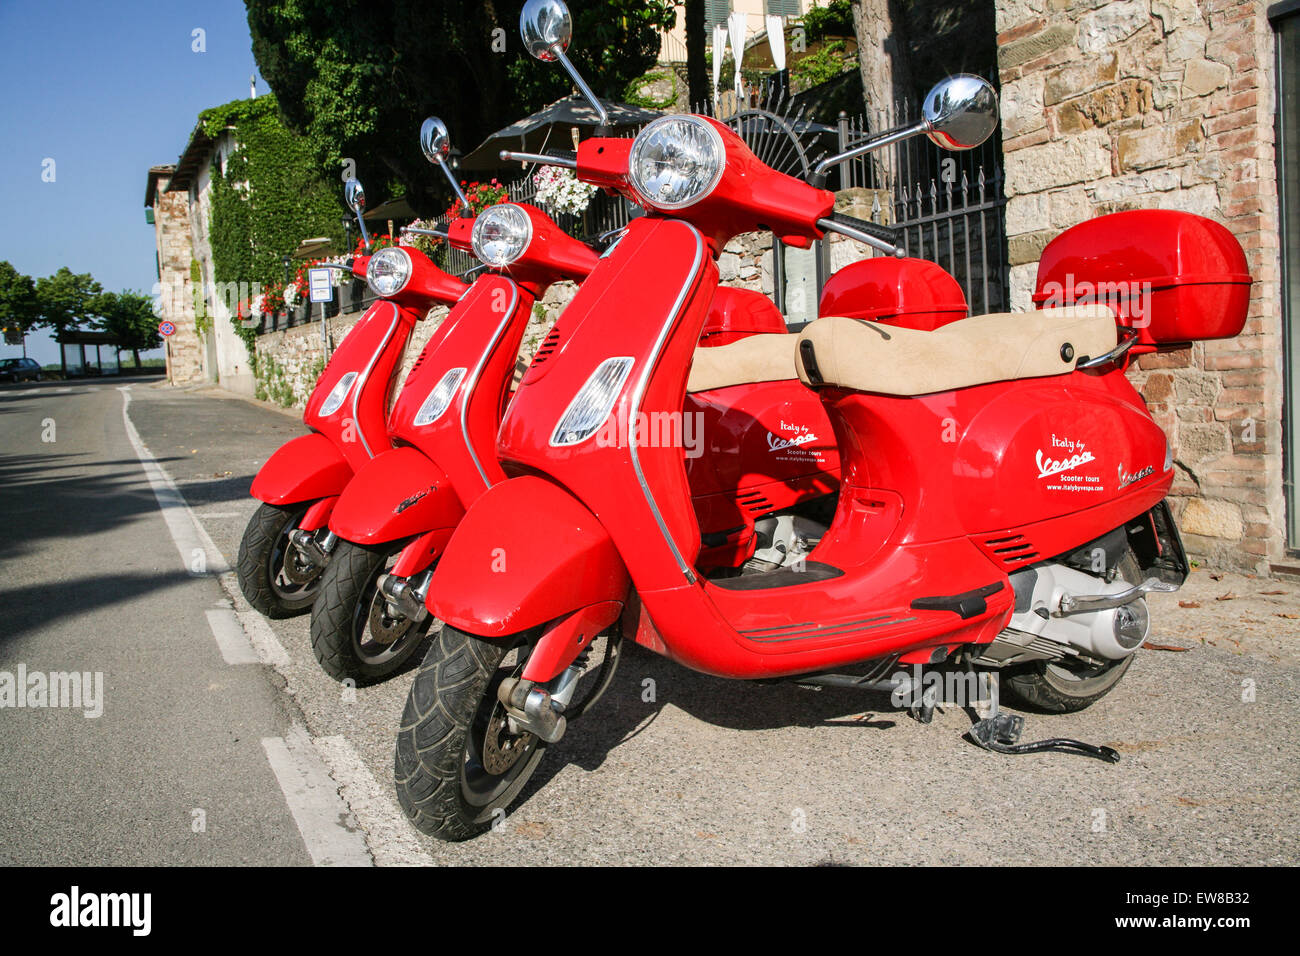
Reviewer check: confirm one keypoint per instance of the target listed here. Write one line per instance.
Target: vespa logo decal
(786, 443)
(1049, 466)
(1076, 455)
(1126, 479)
(777, 443)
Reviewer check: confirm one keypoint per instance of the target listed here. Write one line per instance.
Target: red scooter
(287, 543)
(1002, 497)
(397, 514)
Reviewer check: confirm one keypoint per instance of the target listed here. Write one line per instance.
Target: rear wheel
(457, 762)
(1067, 686)
(272, 575)
(352, 633)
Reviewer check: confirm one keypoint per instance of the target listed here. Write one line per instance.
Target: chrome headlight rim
(638, 187)
(497, 213)
(385, 254)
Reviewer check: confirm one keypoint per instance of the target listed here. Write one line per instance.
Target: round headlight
(501, 234)
(388, 271)
(676, 161)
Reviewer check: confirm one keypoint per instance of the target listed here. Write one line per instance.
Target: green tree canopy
(19, 308)
(356, 79)
(67, 299)
(129, 317)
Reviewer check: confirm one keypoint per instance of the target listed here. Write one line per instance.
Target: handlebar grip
(875, 229)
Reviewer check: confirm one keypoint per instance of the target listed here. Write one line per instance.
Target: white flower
(256, 306)
(290, 296)
(560, 191)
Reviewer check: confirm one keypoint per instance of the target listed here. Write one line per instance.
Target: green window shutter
(715, 12)
(784, 8)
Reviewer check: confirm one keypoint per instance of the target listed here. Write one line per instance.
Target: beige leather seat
(870, 357)
(756, 358)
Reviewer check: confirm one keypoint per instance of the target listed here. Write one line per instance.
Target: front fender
(307, 467)
(395, 495)
(526, 553)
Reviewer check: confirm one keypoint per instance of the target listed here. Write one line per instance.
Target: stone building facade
(171, 219)
(1164, 104)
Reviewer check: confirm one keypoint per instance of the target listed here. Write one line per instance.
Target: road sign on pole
(322, 289)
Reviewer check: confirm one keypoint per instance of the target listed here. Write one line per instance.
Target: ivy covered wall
(269, 197)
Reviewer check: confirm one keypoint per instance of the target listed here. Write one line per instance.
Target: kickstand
(1000, 732)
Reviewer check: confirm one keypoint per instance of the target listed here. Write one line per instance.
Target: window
(783, 8)
(716, 12)
(1286, 21)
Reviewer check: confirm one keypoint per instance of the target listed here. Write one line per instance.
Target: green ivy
(269, 197)
(202, 321)
(273, 383)
(635, 97)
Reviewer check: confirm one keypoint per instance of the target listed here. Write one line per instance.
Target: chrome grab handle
(1128, 340)
(416, 231)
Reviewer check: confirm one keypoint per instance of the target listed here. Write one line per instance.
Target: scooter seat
(870, 357)
(756, 358)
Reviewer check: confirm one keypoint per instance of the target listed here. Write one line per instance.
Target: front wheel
(272, 575)
(352, 633)
(457, 762)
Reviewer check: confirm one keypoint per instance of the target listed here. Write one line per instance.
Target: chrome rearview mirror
(434, 140)
(961, 112)
(355, 197)
(546, 28)
(958, 113)
(436, 144)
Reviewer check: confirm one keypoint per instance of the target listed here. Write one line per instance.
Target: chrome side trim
(360, 384)
(639, 395)
(467, 388)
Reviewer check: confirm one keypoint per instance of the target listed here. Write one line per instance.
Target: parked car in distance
(19, 369)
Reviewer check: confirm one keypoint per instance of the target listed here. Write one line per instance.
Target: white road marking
(190, 537)
(329, 830)
(389, 834)
(230, 636)
(205, 515)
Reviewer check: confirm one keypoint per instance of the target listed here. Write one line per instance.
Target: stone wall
(1163, 104)
(172, 239)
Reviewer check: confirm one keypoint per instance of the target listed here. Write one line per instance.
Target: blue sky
(106, 90)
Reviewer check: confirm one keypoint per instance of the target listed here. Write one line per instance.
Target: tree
(697, 70)
(19, 308)
(66, 299)
(129, 317)
(356, 79)
(881, 29)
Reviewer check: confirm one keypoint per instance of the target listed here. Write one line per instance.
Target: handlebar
(872, 234)
(436, 233)
(569, 160)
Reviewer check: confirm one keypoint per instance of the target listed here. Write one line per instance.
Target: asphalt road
(671, 767)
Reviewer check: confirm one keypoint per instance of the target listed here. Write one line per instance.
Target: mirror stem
(455, 187)
(582, 85)
(871, 143)
(365, 236)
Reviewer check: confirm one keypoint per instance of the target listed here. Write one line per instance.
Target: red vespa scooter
(396, 515)
(287, 543)
(774, 462)
(1002, 502)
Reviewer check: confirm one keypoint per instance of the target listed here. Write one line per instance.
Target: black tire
(1055, 688)
(351, 635)
(442, 781)
(263, 552)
